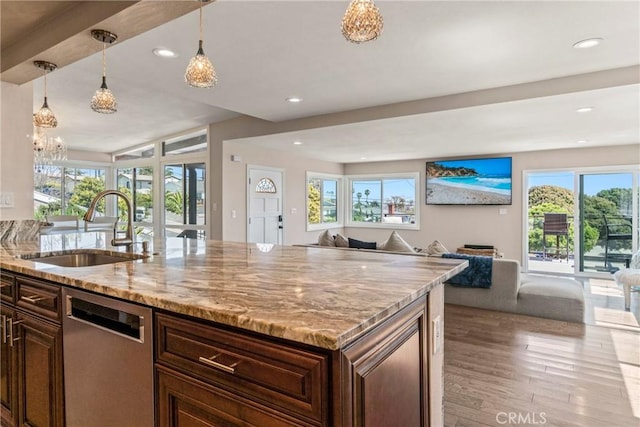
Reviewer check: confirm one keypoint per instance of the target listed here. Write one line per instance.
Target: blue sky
(496, 166)
(593, 182)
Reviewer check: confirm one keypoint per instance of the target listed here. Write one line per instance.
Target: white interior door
(265, 223)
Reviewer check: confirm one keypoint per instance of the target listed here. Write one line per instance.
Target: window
(66, 190)
(323, 201)
(188, 143)
(184, 199)
(384, 201)
(137, 183)
(146, 152)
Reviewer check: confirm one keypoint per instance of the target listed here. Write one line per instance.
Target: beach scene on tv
(469, 182)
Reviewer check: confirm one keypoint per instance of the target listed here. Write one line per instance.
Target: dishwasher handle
(109, 319)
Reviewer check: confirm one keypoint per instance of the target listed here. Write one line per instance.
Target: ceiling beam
(65, 37)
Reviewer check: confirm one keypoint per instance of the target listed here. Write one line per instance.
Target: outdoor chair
(555, 224)
(618, 229)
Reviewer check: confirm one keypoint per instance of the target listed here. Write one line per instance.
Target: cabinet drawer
(183, 402)
(8, 287)
(292, 380)
(39, 298)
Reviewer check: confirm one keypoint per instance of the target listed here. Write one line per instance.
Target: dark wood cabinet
(32, 369)
(380, 379)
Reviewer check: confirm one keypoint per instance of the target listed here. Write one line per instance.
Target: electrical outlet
(6, 200)
(234, 214)
(293, 211)
(436, 334)
(503, 211)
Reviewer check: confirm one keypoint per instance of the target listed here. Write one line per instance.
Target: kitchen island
(334, 330)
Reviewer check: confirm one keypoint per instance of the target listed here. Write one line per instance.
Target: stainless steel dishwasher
(108, 361)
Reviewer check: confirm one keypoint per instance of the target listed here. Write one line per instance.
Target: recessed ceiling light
(163, 52)
(584, 110)
(297, 142)
(587, 43)
(582, 141)
(363, 158)
(294, 99)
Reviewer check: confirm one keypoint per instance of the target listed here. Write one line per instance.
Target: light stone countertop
(313, 295)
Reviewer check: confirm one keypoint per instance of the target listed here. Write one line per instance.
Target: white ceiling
(266, 51)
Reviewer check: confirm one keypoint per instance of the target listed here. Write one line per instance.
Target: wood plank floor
(504, 370)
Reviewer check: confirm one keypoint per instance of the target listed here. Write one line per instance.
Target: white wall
(235, 189)
(16, 152)
(456, 225)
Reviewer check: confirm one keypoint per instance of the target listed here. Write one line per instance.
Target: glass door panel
(184, 199)
(606, 206)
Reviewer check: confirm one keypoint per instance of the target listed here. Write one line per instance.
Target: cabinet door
(40, 385)
(385, 373)
(186, 402)
(9, 385)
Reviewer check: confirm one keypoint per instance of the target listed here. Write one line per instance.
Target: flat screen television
(469, 182)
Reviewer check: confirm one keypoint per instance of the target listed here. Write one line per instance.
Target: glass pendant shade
(45, 118)
(103, 100)
(200, 71)
(362, 21)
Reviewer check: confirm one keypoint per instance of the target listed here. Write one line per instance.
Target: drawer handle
(211, 362)
(10, 326)
(33, 299)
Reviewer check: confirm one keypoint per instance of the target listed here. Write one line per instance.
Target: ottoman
(551, 297)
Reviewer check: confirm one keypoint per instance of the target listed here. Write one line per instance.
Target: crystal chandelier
(103, 100)
(362, 21)
(200, 71)
(45, 118)
(47, 150)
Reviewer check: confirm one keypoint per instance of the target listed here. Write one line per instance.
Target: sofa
(510, 290)
(514, 292)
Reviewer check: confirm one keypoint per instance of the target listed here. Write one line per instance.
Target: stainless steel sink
(82, 257)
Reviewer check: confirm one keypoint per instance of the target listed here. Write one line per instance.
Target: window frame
(339, 201)
(348, 205)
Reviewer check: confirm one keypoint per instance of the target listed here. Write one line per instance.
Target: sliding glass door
(608, 220)
(581, 221)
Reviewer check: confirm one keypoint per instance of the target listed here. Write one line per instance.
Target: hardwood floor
(505, 370)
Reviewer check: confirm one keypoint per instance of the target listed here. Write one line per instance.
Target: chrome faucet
(89, 216)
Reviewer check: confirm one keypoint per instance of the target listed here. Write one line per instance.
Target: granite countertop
(315, 296)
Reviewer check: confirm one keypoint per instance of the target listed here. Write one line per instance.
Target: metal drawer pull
(33, 299)
(211, 362)
(10, 327)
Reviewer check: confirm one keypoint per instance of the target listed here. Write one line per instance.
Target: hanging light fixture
(47, 150)
(200, 71)
(45, 118)
(362, 21)
(103, 100)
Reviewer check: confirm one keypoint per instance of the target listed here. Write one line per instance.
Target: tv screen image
(469, 182)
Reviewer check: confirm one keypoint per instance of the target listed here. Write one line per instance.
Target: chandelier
(362, 21)
(103, 100)
(200, 71)
(45, 118)
(47, 150)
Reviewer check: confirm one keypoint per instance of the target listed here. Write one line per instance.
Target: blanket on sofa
(477, 275)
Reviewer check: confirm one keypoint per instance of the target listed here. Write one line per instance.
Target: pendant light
(362, 21)
(103, 100)
(45, 118)
(200, 71)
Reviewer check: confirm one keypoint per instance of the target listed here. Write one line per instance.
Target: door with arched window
(265, 199)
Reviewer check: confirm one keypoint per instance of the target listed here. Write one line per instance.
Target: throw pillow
(395, 243)
(359, 244)
(326, 239)
(436, 249)
(341, 241)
